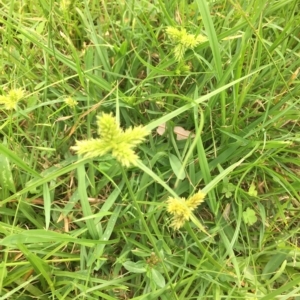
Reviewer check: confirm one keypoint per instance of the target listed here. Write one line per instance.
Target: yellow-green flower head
(179, 51)
(183, 41)
(108, 129)
(178, 207)
(133, 135)
(189, 41)
(12, 98)
(64, 5)
(201, 39)
(182, 209)
(182, 69)
(91, 148)
(194, 201)
(71, 102)
(174, 34)
(113, 139)
(178, 221)
(124, 154)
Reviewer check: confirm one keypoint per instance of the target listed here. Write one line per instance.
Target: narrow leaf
(46, 236)
(176, 166)
(17, 160)
(47, 204)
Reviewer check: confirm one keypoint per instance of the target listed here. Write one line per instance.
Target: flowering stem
(146, 227)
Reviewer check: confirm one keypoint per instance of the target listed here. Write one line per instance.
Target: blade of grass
(86, 208)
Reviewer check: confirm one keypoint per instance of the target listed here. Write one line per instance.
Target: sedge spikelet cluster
(182, 209)
(183, 41)
(11, 99)
(71, 102)
(112, 139)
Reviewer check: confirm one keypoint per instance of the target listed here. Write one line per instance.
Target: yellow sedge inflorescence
(182, 209)
(11, 99)
(71, 102)
(183, 41)
(64, 5)
(113, 140)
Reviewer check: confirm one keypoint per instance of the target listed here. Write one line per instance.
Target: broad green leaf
(274, 264)
(135, 267)
(249, 216)
(158, 278)
(6, 178)
(252, 190)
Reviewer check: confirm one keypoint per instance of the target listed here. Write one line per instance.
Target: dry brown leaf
(62, 119)
(226, 212)
(161, 129)
(181, 133)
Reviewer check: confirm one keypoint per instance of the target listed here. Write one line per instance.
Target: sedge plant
(113, 139)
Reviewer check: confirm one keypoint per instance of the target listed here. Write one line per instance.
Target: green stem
(146, 227)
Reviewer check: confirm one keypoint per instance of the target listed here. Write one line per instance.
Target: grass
(81, 228)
